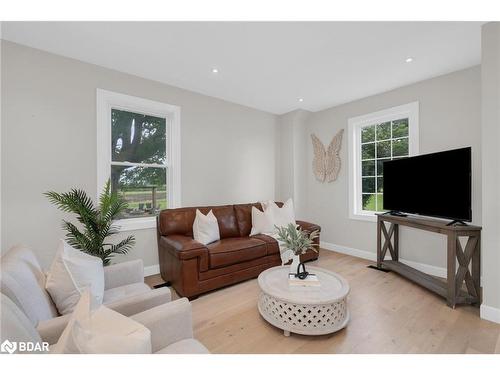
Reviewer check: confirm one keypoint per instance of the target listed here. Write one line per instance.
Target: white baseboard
(489, 313)
(349, 251)
(152, 270)
(427, 268)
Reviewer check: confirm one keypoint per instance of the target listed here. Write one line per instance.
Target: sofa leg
(165, 284)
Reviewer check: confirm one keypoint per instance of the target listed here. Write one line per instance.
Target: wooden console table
(468, 259)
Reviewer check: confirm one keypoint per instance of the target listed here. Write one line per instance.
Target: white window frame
(108, 100)
(355, 124)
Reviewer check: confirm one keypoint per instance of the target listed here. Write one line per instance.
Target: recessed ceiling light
(215, 70)
(409, 59)
(301, 100)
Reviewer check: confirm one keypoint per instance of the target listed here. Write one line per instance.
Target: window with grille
(374, 139)
(139, 151)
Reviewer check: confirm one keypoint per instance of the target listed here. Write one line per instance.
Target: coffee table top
(274, 281)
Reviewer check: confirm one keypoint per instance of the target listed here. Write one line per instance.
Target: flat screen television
(437, 185)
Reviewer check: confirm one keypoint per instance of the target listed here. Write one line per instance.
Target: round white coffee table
(307, 310)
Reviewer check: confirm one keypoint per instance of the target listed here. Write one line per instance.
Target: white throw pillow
(102, 331)
(265, 204)
(283, 215)
(205, 228)
(71, 272)
(262, 222)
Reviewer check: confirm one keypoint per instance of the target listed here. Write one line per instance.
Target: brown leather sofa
(193, 268)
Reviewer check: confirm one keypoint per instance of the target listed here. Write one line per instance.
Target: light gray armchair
(23, 281)
(170, 325)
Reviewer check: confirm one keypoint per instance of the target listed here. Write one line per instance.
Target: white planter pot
(295, 263)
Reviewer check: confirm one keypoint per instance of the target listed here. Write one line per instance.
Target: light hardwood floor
(388, 315)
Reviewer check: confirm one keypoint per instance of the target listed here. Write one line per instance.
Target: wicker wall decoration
(326, 163)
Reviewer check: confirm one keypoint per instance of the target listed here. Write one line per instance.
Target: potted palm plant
(96, 223)
(297, 242)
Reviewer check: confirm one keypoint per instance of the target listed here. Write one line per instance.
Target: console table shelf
(468, 259)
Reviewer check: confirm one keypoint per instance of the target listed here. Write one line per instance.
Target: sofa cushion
(284, 215)
(205, 228)
(271, 244)
(226, 218)
(262, 222)
(235, 250)
(71, 272)
(180, 220)
(177, 221)
(23, 281)
(186, 346)
(99, 330)
(244, 216)
(115, 294)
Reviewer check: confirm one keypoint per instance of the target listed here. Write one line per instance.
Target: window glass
(137, 138)
(379, 143)
(138, 161)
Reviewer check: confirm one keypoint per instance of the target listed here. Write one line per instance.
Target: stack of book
(310, 280)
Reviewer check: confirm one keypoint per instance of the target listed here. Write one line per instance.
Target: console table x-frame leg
(390, 242)
(468, 271)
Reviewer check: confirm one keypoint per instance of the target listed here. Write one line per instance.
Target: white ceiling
(268, 66)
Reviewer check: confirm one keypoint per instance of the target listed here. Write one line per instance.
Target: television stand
(469, 258)
(457, 222)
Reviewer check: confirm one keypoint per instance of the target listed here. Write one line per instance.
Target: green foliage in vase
(297, 240)
(96, 222)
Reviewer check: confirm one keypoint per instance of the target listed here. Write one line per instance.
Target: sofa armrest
(124, 273)
(308, 227)
(50, 330)
(141, 302)
(184, 248)
(168, 323)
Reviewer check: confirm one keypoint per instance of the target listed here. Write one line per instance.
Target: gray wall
(490, 78)
(450, 109)
(230, 153)
(49, 143)
(291, 159)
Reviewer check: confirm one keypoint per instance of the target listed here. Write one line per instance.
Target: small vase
(295, 263)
